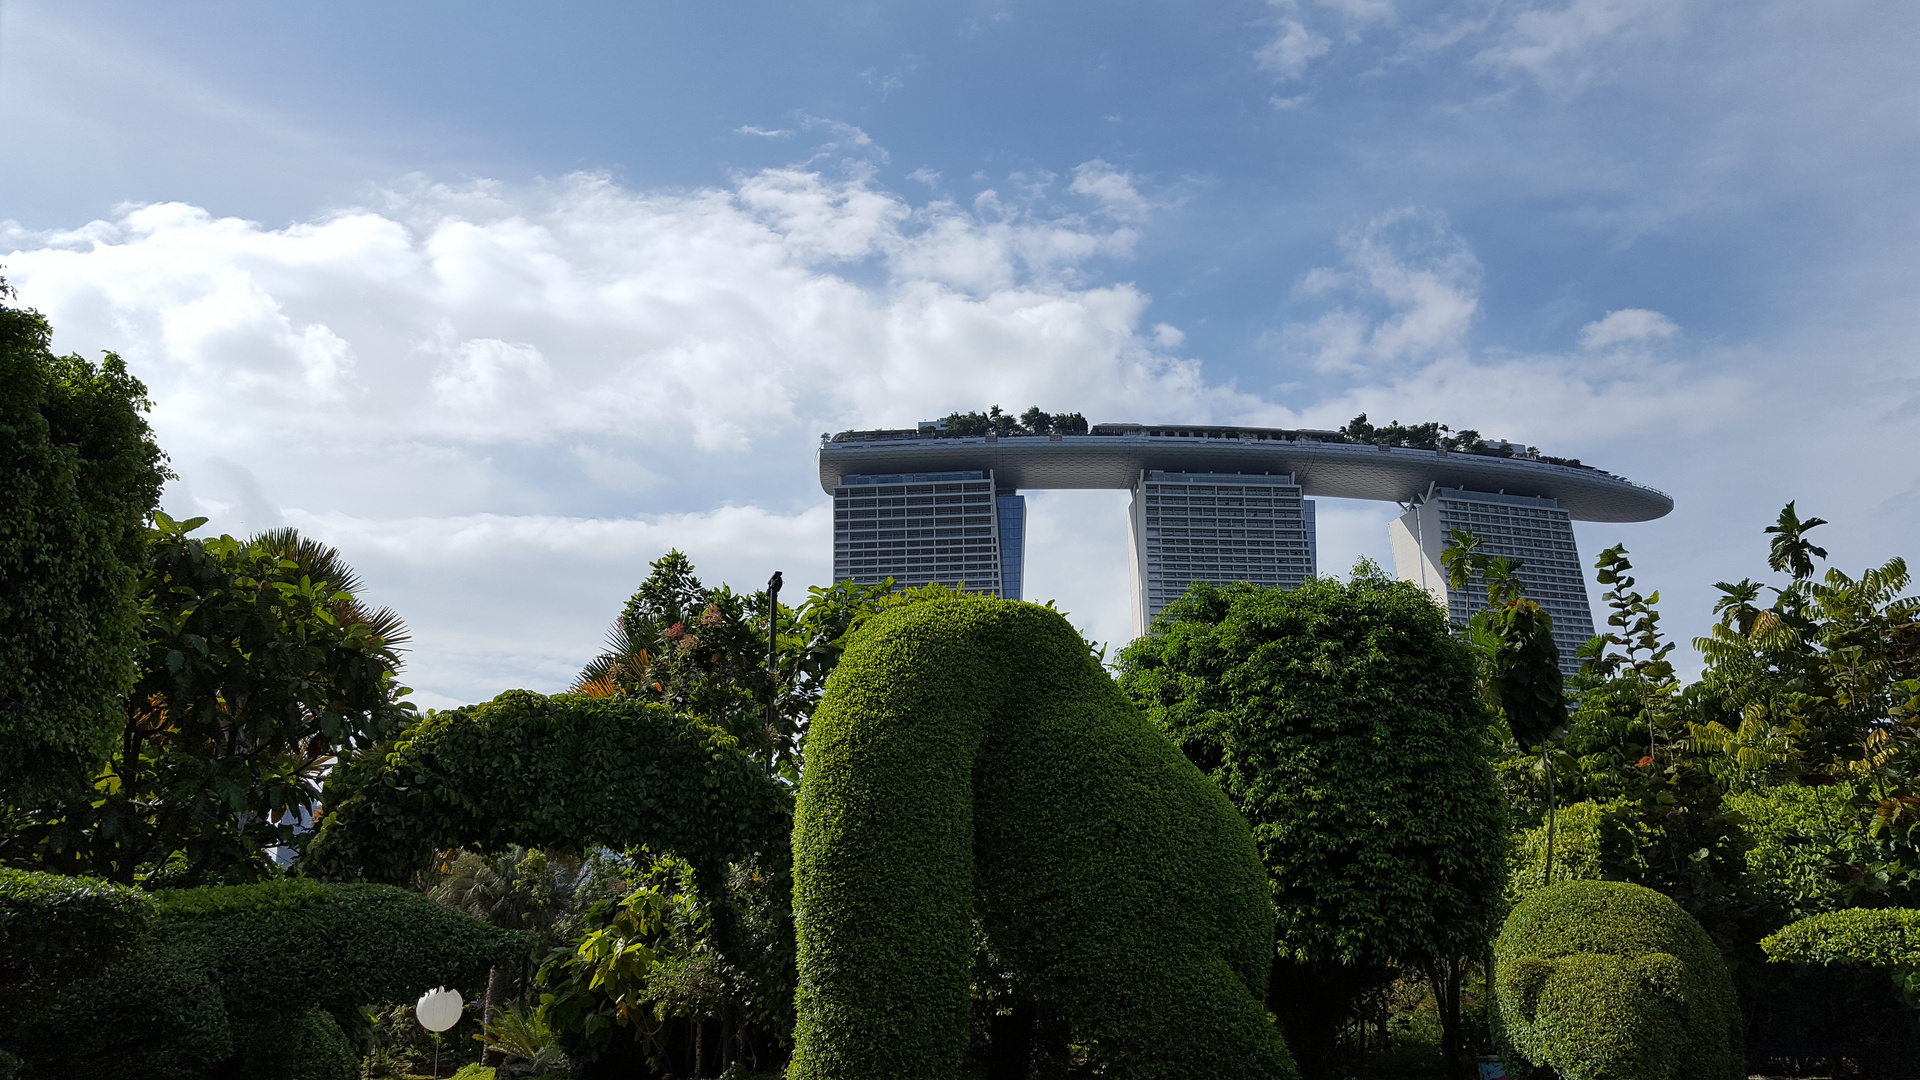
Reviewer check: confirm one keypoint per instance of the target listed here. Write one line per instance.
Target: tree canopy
(79, 473)
(1343, 720)
(254, 677)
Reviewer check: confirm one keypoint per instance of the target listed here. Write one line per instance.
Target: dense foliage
(565, 772)
(1035, 421)
(1602, 980)
(971, 767)
(79, 473)
(1437, 436)
(1855, 937)
(255, 675)
(55, 929)
(1343, 720)
(263, 978)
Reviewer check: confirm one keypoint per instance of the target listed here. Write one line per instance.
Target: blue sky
(505, 299)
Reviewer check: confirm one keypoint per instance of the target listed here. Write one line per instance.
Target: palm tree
(1791, 551)
(321, 562)
(517, 889)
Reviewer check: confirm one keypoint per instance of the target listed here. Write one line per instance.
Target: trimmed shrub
(1602, 980)
(562, 772)
(305, 1045)
(55, 929)
(153, 1014)
(971, 768)
(262, 978)
(1856, 937)
(285, 943)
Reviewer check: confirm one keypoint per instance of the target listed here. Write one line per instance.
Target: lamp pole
(773, 652)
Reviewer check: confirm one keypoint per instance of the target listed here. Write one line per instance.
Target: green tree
(254, 678)
(79, 473)
(1345, 722)
(1823, 683)
(1520, 661)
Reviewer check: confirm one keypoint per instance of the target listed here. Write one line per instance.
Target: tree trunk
(496, 995)
(1314, 1002)
(1546, 760)
(1445, 978)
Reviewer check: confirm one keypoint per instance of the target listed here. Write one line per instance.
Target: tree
(1035, 421)
(79, 473)
(1344, 721)
(1823, 682)
(253, 679)
(517, 889)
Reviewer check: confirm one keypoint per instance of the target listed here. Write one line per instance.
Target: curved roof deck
(1115, 457)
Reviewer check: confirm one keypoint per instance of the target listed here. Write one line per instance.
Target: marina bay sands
(1214, 503)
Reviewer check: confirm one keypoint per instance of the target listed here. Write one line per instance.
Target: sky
(505, 300)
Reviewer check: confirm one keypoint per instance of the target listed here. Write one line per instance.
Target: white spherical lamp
(438, 1009)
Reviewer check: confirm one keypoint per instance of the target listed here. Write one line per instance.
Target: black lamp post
(773, 647)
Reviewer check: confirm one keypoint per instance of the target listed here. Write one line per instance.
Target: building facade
(1534, 530)
(949, 528)
(1213, 503)
(1218, 528)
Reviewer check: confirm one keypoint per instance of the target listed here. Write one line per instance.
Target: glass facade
(918, 529)
(1013, 542)
(1219, 528)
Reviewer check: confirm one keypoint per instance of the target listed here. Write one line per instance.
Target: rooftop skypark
(1037, 423)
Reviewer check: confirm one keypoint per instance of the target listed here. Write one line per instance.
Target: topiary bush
(971, 768)
(564, 772)
(263, 979)
(1855, 937)
(1602, 980)
(55, 929)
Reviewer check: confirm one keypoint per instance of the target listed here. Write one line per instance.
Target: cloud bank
(502, 402)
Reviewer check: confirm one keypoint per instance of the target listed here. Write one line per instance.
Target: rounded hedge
(971, 768)
(1854, 937)
(563, 772)
(1602, 980)
(262, 978)
(53, 930)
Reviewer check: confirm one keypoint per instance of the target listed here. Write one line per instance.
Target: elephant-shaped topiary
(1602, 980)
(972, 770)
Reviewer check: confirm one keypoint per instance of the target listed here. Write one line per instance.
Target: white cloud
(764, 133)
(1286, 57)
(1558, 45)
(496, 602)
(1112, 188)
(1408, 262)
(471, 369)
(1628, 325)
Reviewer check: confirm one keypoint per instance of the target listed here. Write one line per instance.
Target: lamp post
(773, 653)
(437, 1010)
